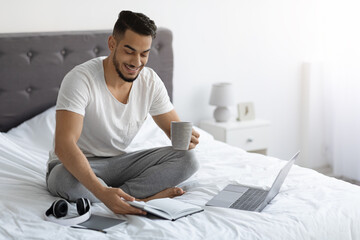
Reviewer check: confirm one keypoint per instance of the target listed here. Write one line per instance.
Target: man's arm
(164, 122)
(68, 130)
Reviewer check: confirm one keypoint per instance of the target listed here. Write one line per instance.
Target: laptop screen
(275, 188)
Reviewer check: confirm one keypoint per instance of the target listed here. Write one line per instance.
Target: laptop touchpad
(236, 188)
(224, 199)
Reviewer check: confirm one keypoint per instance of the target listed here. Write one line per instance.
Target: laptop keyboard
(250, 200)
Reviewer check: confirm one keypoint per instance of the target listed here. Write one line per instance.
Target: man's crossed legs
(145, 174)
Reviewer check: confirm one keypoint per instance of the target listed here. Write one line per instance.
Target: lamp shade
(222, 95)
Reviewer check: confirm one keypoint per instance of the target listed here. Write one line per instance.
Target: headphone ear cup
(82, 205)
(59, 209)
(50, 210)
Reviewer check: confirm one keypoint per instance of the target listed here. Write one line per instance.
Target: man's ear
(111, 43)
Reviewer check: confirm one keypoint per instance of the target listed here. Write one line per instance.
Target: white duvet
(309, 205)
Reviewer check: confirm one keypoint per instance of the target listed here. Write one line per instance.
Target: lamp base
(222, 114)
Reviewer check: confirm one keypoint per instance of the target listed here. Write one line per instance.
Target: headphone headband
(59, 209)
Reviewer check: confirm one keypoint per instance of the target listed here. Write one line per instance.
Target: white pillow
(36, 132)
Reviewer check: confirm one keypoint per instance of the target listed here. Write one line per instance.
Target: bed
(32, 65)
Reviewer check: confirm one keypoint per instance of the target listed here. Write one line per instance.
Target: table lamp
(222, 96)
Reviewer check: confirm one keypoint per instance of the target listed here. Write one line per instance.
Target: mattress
(308, 206)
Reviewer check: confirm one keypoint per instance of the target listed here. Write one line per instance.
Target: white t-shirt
(109, 125)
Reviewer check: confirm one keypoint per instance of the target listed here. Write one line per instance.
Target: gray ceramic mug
(181, 135)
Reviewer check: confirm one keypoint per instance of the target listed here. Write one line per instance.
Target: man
(101, 106)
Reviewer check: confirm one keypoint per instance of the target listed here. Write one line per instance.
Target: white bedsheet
(309, 205)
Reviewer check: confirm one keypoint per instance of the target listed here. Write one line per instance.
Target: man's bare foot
(167, 193)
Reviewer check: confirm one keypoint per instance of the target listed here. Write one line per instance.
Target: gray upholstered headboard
(32, 66)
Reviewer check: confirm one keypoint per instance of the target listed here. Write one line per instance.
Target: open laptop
(248, 198)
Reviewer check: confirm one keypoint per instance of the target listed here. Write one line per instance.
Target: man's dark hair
(136, 22)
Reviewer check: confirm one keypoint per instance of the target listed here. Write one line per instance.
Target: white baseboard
(326, 170)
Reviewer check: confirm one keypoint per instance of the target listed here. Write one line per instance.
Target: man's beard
(116, 65)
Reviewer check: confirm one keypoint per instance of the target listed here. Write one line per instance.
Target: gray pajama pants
(140, 174)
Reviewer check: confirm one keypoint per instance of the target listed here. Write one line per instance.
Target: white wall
(259, 45)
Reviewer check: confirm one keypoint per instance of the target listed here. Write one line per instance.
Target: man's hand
(164, 122)
(115, 199)
(194, 139)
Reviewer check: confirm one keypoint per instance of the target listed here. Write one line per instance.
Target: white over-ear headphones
(59, 209)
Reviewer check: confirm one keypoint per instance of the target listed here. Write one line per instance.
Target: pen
(98, 230)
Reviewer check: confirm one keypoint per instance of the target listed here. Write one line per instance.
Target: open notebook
(167, 208)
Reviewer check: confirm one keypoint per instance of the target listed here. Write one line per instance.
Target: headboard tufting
(32, 66)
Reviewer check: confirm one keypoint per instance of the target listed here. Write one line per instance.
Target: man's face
(131, 54)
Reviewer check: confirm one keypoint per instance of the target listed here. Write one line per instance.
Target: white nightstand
(252, 136)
